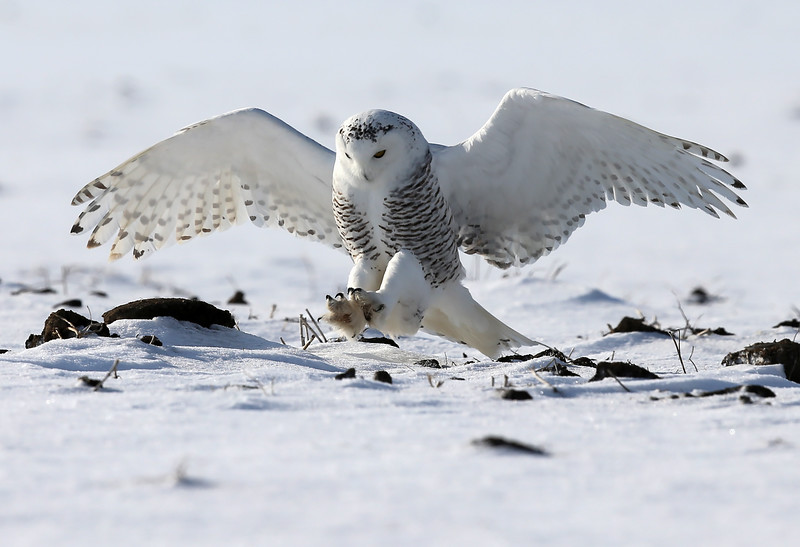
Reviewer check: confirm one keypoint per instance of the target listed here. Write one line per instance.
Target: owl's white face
(378, 148)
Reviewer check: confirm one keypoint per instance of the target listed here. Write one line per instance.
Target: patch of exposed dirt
(382, 376)
(501, 443)
(634, 324)
(785, 352)
(620, 369)
(196, 311)
(66, 324)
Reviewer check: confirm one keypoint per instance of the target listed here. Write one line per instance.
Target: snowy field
(231, 437)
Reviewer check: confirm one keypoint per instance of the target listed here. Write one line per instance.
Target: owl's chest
(363, 224)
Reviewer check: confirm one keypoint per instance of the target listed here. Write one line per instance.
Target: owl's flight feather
(517, 188)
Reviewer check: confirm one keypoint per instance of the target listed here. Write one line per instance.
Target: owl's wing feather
(524, 182)
(246, 165)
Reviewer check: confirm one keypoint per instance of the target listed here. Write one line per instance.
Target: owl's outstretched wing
(244, 165)
(524, 182)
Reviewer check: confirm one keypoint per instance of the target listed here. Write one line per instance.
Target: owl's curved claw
(345, 314)
(369, 302)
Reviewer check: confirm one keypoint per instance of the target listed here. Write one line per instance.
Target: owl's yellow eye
(379, 154)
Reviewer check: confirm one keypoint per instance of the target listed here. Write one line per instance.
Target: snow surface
(225, 436)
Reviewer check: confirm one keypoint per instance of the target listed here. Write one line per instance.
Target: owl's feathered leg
(397, 307)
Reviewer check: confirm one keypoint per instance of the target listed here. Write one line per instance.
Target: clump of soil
(794, 323)
(151, 339)
(620, 369)
(583, 362)
(744, 397)
(378, 340)
(347, 374)
(515, 358)
(701, 296)
(557, 369)
(428, 363)
(501, 443)
(719, 331)
(71, 303)
(558, 365)
(382, 376)
(196, 311)
(634, 324)
(237, 298)
(25, 289)
(785, 352)
(66, 324)
(515, 395)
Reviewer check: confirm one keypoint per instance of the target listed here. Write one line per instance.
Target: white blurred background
(86, 84)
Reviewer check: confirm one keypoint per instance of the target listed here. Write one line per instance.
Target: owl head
(379, 147)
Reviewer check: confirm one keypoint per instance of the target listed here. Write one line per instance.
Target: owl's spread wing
(524, 182)
(245, 165)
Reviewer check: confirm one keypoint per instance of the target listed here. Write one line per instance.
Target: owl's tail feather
(455, 315)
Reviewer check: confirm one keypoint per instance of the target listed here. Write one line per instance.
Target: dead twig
(676, 342)
(621, 384)
(98, 384)
(313, 337)
(436, 384)
(692, 362)
(545, 382)
(316, 325)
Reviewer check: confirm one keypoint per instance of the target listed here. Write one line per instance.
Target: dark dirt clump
(347, 374)
(382, 376)
(237, 298)
(196, 311)
(151, 339)
(557, 369)
(66, 324)
(378, 340)
(515, 395)
(753, 389)
(91, 382)
(515, 358)
(552, 352)
(719, 331)
(428, 363)
(501, 443)
(701, 296)
(23, 290)
(785, 352)
(794, 323)
(71, 303)
(745, 390)
(620, 369)
(584, 362)
(633, 324)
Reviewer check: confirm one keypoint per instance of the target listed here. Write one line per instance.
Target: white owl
(402, 207)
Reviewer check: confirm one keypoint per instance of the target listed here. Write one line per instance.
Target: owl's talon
(369, 302)
(345, 315)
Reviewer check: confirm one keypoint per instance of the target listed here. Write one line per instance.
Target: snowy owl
(402, 207)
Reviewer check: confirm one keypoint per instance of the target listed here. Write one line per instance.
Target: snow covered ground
(224, 436)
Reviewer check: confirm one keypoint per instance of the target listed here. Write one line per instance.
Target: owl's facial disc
(379, 145)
